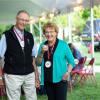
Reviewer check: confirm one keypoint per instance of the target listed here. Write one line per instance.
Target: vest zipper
(24, 57)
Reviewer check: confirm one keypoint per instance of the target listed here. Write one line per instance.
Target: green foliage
(85, 13)
(96, 11)
(4, 28)
(79, 18)
(27, 28)
(36, 29)
(61, 20)
(8, 27)
(77, 22)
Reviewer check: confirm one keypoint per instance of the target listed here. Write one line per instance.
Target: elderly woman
(56, 61)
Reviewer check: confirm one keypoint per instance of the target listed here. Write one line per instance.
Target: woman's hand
(66, 76)
(44, 48)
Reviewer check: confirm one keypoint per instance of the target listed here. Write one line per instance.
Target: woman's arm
(39, 59)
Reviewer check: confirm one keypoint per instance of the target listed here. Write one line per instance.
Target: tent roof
(9, 8)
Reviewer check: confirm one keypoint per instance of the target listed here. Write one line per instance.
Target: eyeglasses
(47, 32)
(23, 20)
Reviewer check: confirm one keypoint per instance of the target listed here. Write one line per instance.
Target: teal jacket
(61, 58)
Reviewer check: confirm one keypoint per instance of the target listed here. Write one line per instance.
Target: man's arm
(3, 47)
(0, 64)
(34, 64)
(1, 70)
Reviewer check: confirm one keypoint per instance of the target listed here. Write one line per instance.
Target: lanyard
(21, 38)
(50, 51)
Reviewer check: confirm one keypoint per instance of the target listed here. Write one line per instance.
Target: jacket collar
(12, 32)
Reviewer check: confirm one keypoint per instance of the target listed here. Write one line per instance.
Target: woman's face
(50, 34)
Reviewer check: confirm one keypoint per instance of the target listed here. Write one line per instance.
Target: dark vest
(18, 61)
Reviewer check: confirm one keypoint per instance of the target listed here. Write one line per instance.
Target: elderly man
(16, 46)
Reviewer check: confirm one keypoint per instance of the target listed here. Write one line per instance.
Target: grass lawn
(86, 92)
(97, 57)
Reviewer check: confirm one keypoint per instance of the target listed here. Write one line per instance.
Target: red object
(90, 48)
(87, 72)
(2, 84)
(79, 66)
(75, 72)
(2, 90)
(1, 71)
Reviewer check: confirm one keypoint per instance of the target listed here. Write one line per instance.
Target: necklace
(21, 39)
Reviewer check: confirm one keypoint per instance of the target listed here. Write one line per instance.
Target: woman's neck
(51, 43)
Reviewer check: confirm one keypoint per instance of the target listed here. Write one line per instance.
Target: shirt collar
(18, 31)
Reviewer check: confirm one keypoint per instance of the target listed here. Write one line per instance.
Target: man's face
(22, 20)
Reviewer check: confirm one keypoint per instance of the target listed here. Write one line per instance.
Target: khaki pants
(13, 86)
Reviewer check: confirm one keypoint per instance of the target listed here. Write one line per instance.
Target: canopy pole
(31, 28)
(69, 27)
(92, 26)
(40, 31)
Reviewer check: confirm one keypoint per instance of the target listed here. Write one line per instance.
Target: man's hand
(1, 71)
(37, 82)
(1, 81)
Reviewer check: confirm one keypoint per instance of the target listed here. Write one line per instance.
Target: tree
(85, 14)
(96, 11)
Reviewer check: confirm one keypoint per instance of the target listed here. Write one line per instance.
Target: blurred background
(78, 20)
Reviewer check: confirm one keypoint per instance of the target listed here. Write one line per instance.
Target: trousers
(56, 91)
(15, 82)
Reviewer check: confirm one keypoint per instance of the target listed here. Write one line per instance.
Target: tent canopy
(9, 8)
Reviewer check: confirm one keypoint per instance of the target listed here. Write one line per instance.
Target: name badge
(47, 64)
(22, 44)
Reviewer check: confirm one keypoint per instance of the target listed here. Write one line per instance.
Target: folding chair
(80, 65)
(87, 72)
(78, 68)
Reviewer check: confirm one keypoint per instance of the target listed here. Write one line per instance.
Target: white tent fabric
(9, 8)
